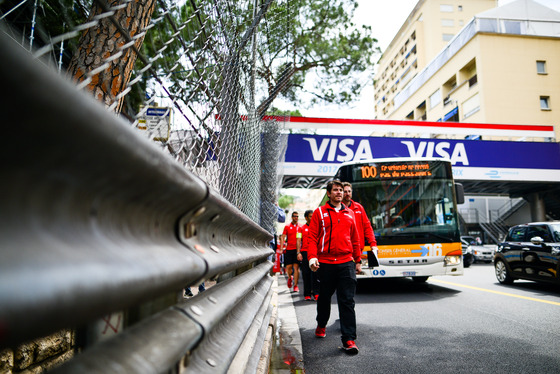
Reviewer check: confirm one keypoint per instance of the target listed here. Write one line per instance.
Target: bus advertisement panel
(412, 205)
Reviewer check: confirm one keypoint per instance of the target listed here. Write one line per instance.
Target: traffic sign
(157, 122)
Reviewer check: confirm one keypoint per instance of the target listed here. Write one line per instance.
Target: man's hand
(299, 256)
(314, 264)
(358, 268)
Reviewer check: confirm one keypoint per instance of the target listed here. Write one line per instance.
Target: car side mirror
(537, 240)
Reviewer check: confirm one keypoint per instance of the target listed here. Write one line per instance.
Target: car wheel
(467, 261)
(502, 273)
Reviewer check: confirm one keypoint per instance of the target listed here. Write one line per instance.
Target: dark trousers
(342, 279)
(310, 282)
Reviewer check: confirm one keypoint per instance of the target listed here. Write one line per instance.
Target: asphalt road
(464, 324)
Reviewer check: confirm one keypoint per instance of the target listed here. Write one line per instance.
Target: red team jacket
(304, 229)
(333, 236)
(291, 231)
(363, 224)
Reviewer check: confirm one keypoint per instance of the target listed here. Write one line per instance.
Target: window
(447, 23)
(435, 98)
(447, 37)
(460, 8)
(541, 231)
(517, 234)
(473, 80)
(545, 103)
(445, 8)
(541, 67)
(471, 106)
(452, 115)
(512, 27)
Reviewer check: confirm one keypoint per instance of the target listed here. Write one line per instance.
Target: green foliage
(285, 201)
(297, 36)
(321, 39)
(279, 112)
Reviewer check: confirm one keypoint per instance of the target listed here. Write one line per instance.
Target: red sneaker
(316, 297)
(320, 332)
(290, 282)
(350, 347)
(296, 288)
(308, 298)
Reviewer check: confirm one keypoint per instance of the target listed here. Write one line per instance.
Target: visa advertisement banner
(321, 155)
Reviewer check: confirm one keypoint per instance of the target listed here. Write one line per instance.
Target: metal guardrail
(96, 219)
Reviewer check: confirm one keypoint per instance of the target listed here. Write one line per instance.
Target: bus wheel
(420, 279)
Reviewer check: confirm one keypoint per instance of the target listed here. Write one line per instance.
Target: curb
(288, 345)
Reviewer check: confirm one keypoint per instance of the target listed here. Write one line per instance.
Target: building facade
(426, 31)
(502, 67)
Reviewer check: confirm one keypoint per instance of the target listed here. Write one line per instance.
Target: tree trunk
(103, 41)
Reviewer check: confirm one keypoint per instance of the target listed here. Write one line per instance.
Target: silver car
(480, 253)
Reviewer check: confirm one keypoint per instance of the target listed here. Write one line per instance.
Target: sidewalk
(287, 355)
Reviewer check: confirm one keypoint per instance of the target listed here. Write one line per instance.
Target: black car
(531, 251)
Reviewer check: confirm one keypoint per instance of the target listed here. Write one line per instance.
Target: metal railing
(494, 225)
(96, 219)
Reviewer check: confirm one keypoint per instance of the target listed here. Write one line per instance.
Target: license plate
(408, 273)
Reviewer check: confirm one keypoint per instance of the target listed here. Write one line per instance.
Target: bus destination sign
(394, 171)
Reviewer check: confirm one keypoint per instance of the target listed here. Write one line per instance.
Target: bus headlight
(453, 258)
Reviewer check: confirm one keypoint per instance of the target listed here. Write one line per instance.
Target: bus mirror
(460, 192)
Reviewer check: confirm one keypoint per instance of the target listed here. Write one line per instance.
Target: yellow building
(502, 67)
(426, 31)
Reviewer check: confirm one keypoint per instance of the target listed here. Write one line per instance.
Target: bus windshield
(412, 209)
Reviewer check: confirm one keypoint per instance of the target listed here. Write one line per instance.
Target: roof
(522, 10)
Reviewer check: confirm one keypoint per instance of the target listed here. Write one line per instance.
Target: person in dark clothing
(365, 231)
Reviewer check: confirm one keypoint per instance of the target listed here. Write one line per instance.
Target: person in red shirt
(334, 252)
(289, 237)
(310, 283)
(367, 237)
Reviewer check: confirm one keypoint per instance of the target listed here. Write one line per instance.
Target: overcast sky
(385, 17)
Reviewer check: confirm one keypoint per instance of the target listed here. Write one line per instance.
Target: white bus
(412, 205)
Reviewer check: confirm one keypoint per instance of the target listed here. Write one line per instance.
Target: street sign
(157, 122)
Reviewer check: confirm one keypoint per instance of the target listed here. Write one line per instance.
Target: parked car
(468, 257)
(530, 251)
(480, 252)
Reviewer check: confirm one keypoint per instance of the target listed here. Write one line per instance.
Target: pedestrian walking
(334, 252)
(310, 283)
(365, 231)
(289, 238)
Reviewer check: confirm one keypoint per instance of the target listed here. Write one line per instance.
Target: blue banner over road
(320, 155)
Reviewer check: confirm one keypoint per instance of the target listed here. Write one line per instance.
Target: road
(464, 324)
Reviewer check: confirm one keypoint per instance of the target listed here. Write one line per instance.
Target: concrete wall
(40, 355)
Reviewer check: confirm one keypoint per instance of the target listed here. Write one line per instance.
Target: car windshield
(469, 239)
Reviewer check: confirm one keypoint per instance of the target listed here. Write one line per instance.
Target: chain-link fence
(187, 74)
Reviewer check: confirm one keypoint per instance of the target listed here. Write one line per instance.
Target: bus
(412, 206)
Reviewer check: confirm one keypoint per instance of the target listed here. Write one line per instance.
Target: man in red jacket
(367, 237)
(334, 251)
(310, 283)
(290, 237)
